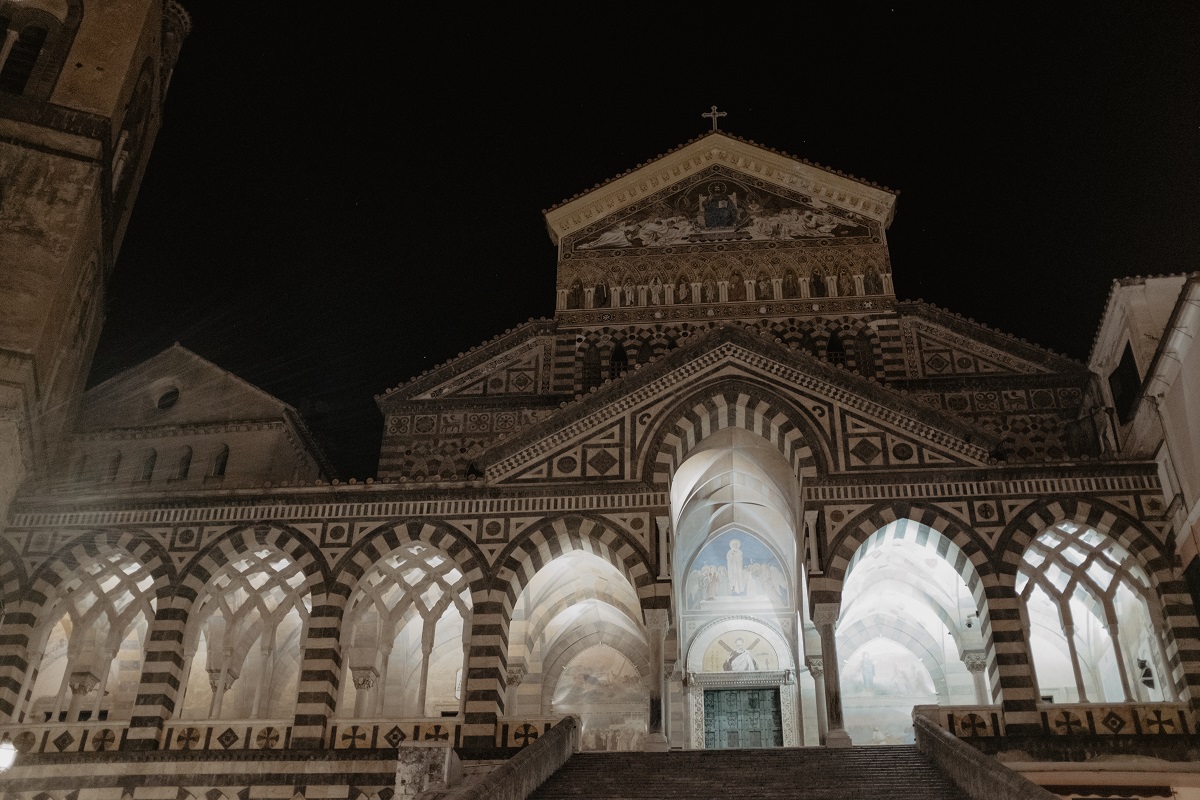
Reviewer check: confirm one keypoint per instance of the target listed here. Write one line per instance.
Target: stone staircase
(813, 773)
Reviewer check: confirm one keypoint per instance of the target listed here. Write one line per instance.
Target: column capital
(83, 682)
(364, 677)
(658, 619)
(826, 613)
(516, 675)
(975, 661)
(816, 666)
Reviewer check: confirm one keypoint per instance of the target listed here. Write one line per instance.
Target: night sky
(338, 202)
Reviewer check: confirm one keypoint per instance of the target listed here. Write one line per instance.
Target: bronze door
(742, 718)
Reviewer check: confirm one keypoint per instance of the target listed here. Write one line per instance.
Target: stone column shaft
(825, 617)
(657, 622)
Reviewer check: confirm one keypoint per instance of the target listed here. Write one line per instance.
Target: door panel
(736, 718)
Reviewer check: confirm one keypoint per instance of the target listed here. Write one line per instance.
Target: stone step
(815, 773)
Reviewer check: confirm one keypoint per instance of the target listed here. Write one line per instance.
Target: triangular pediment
(176, 388)
(769, 186)
(850, 424)
(722, 204)
(514, 363)
(940, 345)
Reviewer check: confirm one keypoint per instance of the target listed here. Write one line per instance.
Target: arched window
(114, 467)
(21, 57)
(618, 362)
(148, 465)
(835, 351)
(1091, 618)
(591, 368)
(220, 461)
(185, 464)
(645, 351)
(864, 354)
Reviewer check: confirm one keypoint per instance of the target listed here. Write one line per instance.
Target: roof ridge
(727, 135)
(427, 373)
(983, 325)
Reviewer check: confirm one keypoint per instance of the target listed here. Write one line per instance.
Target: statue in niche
(764, 288)
(845, 284)
(630, 294)
(817, 287)
(790, 287)
(575, 295)
(682, 290)
(710, 292)
(872, 283)
(600, 297)
(656, 291)
(737, 288)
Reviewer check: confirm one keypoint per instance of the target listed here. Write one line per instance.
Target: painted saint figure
(735, 567)
(740, 659)
(868, 673)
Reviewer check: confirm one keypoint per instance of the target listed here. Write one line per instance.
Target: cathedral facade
(734, 493)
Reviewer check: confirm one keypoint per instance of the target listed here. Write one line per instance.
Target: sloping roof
(773, 166)
(204, 394)
(431, 378)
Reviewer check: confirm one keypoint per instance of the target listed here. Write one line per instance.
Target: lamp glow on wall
(8, 753)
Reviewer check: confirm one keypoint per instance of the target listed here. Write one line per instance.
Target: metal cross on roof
(714, 115)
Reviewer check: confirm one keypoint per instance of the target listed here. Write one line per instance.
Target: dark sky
(339, 201)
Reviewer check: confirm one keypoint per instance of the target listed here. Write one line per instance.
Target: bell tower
(81, 97)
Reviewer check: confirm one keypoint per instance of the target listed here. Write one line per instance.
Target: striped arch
(320, 667)
(848, 329)
(911, 637)
(487, 653)
(632, 647)
(374, 546)
(1180, 627)
(12, 575)
(25, 610)
(733, 403)
(948, 538)
(535, 548)
(544, 614)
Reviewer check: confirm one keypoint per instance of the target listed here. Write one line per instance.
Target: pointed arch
(535, 548)
(946, 537)
(1182, 643)
(726, 403)
(28, 617)
(605, 634)
(373, 546)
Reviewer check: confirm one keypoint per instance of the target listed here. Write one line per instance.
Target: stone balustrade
(1063, 719)
(225, 735)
